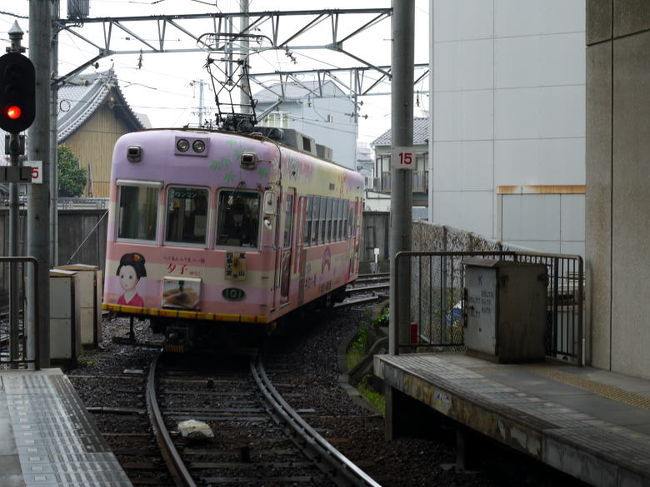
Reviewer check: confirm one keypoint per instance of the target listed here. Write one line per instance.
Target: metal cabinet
(65, 337)
(505, 309)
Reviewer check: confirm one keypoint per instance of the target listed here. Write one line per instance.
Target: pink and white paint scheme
(223, 227)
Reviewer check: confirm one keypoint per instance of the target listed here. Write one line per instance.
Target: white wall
(508, 106)
(311, 118)
(558, 226)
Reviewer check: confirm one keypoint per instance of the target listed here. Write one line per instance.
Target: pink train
(209, 228)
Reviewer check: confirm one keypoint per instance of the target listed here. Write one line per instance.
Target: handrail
(566, 338)
(37, 328)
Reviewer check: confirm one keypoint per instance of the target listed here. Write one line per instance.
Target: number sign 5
(403, 158)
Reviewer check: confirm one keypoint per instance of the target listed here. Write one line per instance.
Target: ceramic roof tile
(420, 133)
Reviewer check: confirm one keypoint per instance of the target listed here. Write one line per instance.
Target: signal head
(17, 92)
(14, 112)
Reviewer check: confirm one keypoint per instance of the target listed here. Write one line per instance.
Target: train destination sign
(403, 158)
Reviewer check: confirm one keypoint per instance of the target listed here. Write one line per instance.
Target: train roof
(288, 138)
(227, 159)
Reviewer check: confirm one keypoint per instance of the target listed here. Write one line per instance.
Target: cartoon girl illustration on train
(130, 270)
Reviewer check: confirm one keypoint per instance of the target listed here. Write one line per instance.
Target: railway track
(367, 288)
(259, 440)
(120, 414)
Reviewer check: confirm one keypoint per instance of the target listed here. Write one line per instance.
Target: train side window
(342, 220)
(346, 216)
(187, 215)
(314, 218)
(238, 218)
(138, 211)
(307, 234)
(323, 212)
(328, 217)
(288, 220)
(335, 220)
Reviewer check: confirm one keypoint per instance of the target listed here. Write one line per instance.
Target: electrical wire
(2, 12)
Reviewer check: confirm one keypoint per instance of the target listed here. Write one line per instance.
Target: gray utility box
(65, 336)
(505, 309)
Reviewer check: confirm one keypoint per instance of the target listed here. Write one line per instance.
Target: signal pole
(16, 36)
(17, 110)
(38, 216)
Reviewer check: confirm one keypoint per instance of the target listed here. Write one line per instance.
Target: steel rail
(361, 289)
(352, 302)
(173, 460)
(342, 472)
(373, 276)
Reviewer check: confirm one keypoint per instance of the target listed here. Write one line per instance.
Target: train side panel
(156, 267)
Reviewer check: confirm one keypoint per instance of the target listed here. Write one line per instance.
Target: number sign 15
(403, 158)
(37, 171)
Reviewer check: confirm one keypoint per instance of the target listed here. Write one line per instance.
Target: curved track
(367, 288)
(173, 460)
(341, 470)
(334, 468)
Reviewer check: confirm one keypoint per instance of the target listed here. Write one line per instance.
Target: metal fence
(17, 349)
(436, 319)
(420, 182)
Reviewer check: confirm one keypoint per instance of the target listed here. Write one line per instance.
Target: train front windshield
(238, 218)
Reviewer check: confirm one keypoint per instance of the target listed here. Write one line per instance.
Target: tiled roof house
(93, 113)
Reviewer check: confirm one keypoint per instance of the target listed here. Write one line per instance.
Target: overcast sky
(162, 85)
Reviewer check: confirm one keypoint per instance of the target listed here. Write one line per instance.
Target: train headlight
(198, 146)
(248, 160)
(183, 145)
(134, 153)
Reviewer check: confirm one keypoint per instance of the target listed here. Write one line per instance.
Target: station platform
(589, 423)
(47, 438)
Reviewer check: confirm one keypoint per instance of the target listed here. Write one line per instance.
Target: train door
(302, 239)
(357, 233)
(287, 245)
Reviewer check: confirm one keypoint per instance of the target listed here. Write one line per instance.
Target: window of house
(187, 215)
(238, 218)
(138, 210)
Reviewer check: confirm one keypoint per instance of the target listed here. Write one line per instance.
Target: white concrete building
(365, 164)
(507, 140)
(324, 112)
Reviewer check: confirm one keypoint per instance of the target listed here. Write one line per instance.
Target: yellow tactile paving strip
(604, 390)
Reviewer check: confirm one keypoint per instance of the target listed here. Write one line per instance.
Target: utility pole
(401, 196)
(244, 99)
(38, 216)
(54, 183)
(200, 83)
(401, 200)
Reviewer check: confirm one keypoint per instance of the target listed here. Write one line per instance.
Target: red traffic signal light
(17, 92)
(14, 112)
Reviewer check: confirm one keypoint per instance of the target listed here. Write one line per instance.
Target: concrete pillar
(618, 183)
